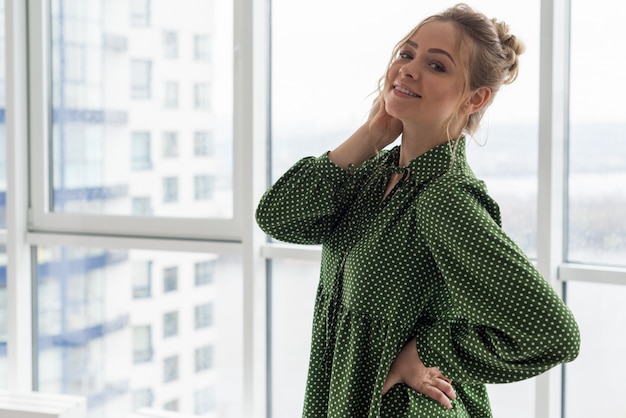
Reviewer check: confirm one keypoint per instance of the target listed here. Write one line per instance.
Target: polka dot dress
(429, 261)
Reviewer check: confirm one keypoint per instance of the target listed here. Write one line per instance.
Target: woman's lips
(405, 90)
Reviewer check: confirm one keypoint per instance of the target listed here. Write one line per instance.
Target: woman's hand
(376, 133)
(383, 128)
(407, 368)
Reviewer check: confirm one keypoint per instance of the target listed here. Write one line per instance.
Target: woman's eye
(404, 55)
(437, 67)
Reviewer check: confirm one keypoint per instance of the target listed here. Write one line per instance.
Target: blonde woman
(423, 299)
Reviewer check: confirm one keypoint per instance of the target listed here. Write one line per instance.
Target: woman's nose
(409, 70)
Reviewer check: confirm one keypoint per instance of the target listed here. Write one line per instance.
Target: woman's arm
(504, 321)
(379, 131)
(306, 203)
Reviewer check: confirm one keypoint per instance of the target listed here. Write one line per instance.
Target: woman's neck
(416, 142)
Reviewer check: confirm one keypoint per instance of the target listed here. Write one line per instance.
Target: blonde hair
(491, 55)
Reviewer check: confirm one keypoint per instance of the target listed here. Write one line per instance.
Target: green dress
(429, 261)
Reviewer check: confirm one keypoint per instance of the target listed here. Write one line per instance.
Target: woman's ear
(476, 100)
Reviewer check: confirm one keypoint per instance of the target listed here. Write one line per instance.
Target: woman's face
(425, 81)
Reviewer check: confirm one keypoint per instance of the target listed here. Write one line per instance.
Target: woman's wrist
(355, 150)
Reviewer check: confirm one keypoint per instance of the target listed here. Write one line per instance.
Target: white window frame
(43, 219)
(32, 224)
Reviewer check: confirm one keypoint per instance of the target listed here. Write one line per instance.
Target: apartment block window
(202, 96)
(142, 344)
(142, 398)
(204, 400)
(142, 206)
(170, 189)
(203, 315)
(170, 279)
(203, 186)
(202, 47)
(142, 279)
(170, 100)
(204, 358)
(140, 13)
(75, 63)
(170, 144)
(204, 272)
(203, 145)
(170, 369)
(140, 79)
(140, 151)
(170, 324)
(171, 405)
(170, 45)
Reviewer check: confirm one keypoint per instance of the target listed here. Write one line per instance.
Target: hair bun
(512, 49)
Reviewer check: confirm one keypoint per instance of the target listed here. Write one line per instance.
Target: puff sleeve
(306, 203)
(504, 322)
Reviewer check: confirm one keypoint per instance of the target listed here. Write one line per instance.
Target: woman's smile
(404, 91)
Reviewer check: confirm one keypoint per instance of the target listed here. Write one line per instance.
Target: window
(202, 47)
(98, 71)
(171, 405)
(204, 400)
(113, 76)
(170, 145)
(142, 344)
(203, 315)
(170, 279)
(203, 358)
(170, 45)
(142, 398)
(140, 13)
(599, 349)
(76, 60)
(203, 187)
(3, 319)
(171, 95)
(141, 158)
(203, 272)
(170, 189)
(203, 144)
(597, 151)
(170, 369)
(170, 324)
(95, 311)
(202, 96)
(142, 279)
(141, 79)
(88, 327)
(142, 206)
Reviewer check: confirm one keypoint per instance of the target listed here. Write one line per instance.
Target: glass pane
(294, 285)
(3, 187)
(133, 83)
(513, 400)
(4, 378)
(110, 329)
(334, 91)
(597, 197)
(3, 104)
(601, 315)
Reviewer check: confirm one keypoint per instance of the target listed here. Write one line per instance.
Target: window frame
(32, 224)
(43, 219)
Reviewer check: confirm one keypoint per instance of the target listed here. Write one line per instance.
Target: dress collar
(433, 163)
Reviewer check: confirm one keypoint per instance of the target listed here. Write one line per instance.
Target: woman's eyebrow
(433, 51)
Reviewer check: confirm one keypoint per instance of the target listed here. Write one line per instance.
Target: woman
(422, 298)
